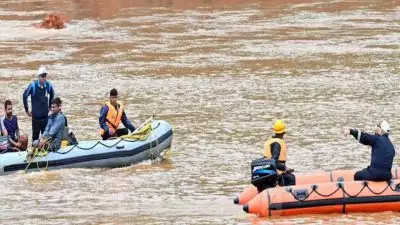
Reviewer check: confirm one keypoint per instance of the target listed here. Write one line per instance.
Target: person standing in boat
(276, 148)
(42, 94)
(381, 156)
(111, 116)
(54, 132)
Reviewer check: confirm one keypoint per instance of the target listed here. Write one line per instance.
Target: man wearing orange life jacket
(111, 116)
(276, 148)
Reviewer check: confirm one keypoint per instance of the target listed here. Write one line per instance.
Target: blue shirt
(55, 129)
(382, 149)
(40, 98)
(11, 126)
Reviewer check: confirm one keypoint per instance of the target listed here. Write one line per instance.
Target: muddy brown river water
(220, 72)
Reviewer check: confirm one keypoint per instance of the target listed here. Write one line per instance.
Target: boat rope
(38, 154)
(340, 186)
(164, 152)
(127, 138)
(151, 155)
(157, 145)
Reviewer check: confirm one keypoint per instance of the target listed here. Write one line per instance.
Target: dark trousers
(38, 126)
(373, 174)
(287, 179)
(118, 133)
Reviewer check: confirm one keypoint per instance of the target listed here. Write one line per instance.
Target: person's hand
(29, 113)
(42, 142)
(110, 132)
(289, 170)
(346, 131)
(18, 145)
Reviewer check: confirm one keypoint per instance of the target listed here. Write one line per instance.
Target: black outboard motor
(264, 173)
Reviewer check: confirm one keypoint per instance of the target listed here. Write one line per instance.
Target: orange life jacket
(113, 118)
(283, 153)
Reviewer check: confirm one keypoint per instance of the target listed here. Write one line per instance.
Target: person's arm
(3, 128)
(363, 138)
(51, 93)
(276, 151)
(127, 123)
(17, 130)
(66, 121)
(13, 143)
(55, 127)
(102, 118)
(27, 92)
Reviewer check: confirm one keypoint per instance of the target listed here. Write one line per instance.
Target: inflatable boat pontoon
(95, 154)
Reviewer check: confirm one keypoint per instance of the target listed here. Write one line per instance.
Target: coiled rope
(38, 154)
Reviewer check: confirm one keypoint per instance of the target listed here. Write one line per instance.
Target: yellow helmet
(279, 127)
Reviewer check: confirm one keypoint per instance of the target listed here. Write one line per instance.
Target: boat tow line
(301, 195)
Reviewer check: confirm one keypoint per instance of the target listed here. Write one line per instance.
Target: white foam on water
(4, 12)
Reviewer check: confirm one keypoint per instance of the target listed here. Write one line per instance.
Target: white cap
(41, 71)
(385, 126)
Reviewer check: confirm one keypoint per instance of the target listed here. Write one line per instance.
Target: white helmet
(385, 126)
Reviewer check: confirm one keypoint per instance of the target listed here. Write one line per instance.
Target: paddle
(145, 122)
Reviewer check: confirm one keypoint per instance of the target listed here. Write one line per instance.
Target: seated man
(54, 131)
(111, 116)
(382, 153)
(9, 125)
(275, 148)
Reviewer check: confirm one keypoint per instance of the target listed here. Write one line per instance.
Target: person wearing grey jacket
(54, 132)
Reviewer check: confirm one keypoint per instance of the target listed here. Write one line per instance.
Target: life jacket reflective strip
(113, 118)
(283, 152)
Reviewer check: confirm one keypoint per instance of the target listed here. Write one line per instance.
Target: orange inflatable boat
(310, 178)
(333, 197)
